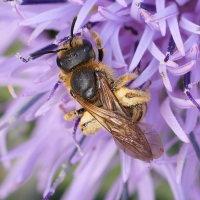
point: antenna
(72, 30)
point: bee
(106, 101)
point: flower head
(160, 40)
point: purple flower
(160, 38)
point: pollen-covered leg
(131, 97)
(69, 116)
(124, 79)
(98, 43)
(89, 125)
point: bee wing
(128, 135)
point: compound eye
(87, 46)
(59, 63)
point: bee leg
(124, 79)
(132, 97)
(98, 42)
(69, 116)
(88, 124)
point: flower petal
(166, 13)
(56, 13)
(180, 70)
(146, 74)
(61, 92)
(180, 162)
(142, 46)
(187, 45)
(172, 122)
(160, 4)
(182, 103)
(153, 49)
(166, 81)
(108, 14)
(174, 29)
(188, 25)
(116, 47)
(126, 166)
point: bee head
(75, 52)
(72, 53)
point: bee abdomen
(137, 112)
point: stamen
(186, 82)
(74, 136)
(195, 144)
(53, 90)
(170, 49)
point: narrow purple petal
(83, 13)
(57, 164)
(154, 50)
(174, 29)
(114, 7)
(160, 4)
(64, 171)
(116, 47)
(135, 14)
(145, 184)
(61, 92)
(107, 31)
(56, 13)
(118, 66)
(180, 70)
(97, 164)
(142, 46)
(104, 12)
(146, 74)
(189, 176)
(169, 173)
(147, 16)
(193, 53)
(182, 103)
(126, 166)
(172, 122)
(180, 162)
(191, 120)
(122, 2)
(41, 27)
(46, 75)
(166, 81)
(77, 2)
(188, 25)
(187, 46)
(166, 13)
